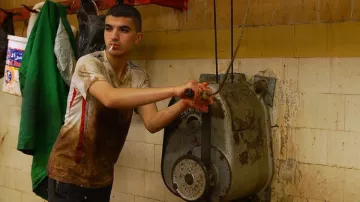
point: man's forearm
(134, 97)
(166, 116)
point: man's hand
(197, 102)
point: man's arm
(128, 98)
(155, 120)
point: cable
(205, 94)
(216, 48)
(232, 39)
(236, 50)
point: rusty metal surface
(241, 155)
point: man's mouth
(114, 45)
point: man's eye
(108, 28)
(124, 30)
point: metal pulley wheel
(190, 178)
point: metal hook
(71, 5)
(30, 9)
(97, 10)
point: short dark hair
(124, 10)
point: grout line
(141, 169)
(22, 192)
(332, 166)
(338, 94)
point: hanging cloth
(44, 91)
(91, 28)
(6, 28)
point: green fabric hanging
(44, 92)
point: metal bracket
(266, 87)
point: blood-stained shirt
(92, 136)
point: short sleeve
(145, 83)
(85, 74)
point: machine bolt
(260, 86)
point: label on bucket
(14, 57)
(11, 77)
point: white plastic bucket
(15, 52)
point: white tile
(142, 199)
(314, 75)
(158, 156)
(30, 197)
(117, 196)
(272, 67)
(345, 75)
(10, 136)
(291, 68)
(138, 133)
(23, 162)
(2, 175)
(321, 111)
(137, 155)
(176, 72)
(327, 183)
(343, 148)
(13, 114)
(170, 197)
(129, 181)
(9, 177)
(9, 195)
(352, 185)
(12, 100)
(22, 181)
(154, 186)
(312, 146)
(352, 113)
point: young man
(104, 91)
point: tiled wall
(316, 147)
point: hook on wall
(30, 9)
(70, 6)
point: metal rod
(216, 48)
(232, 40)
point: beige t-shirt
(92, 136)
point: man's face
(121, 32)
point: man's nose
(115, 35)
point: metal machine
(225, 154)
